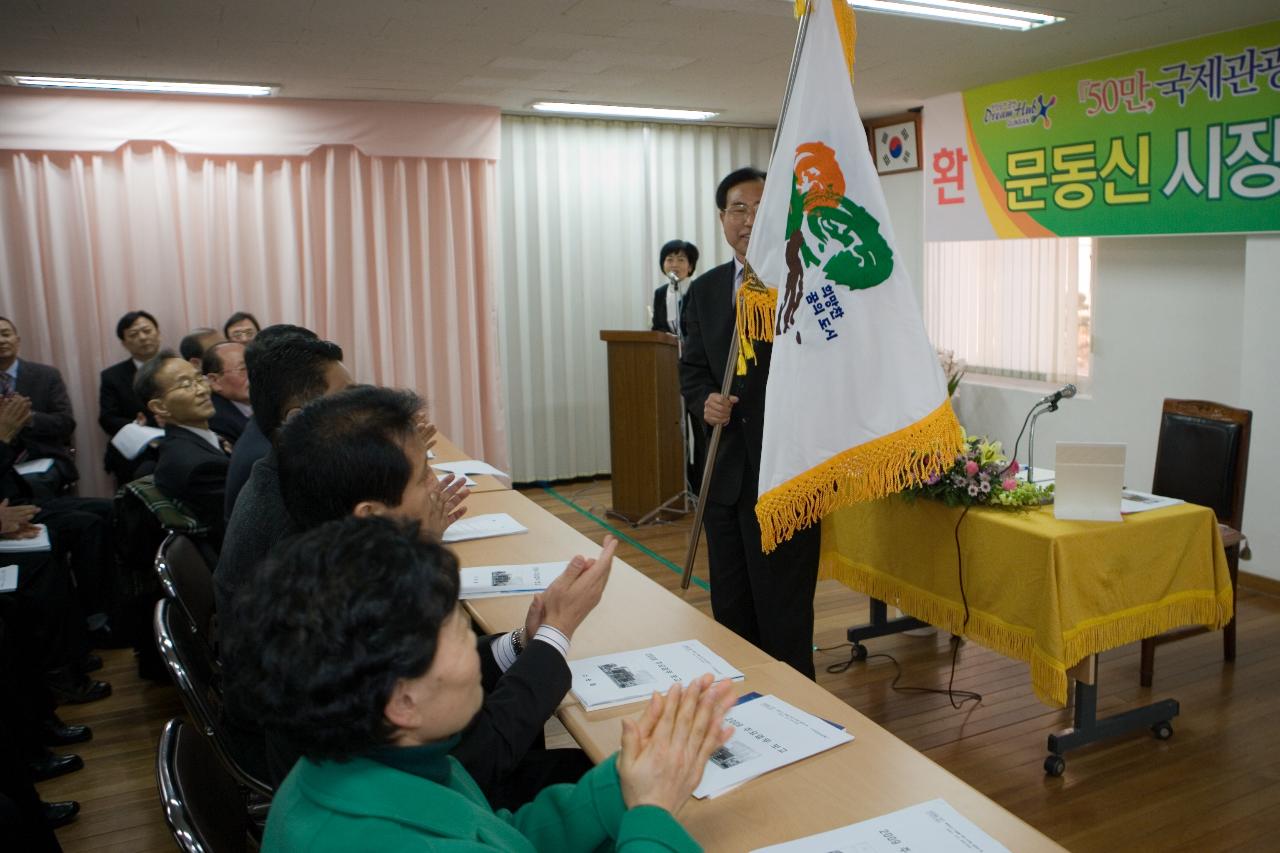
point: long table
(875, 774)
(446, 451)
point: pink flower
(1014, 467)
(971, 467)
(1010, 484)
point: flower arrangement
(981, 476)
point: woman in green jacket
(353, 641)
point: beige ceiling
(730, 56)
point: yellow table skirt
(1041, 590)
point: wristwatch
(517, 641)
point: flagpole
(731, 365)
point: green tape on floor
(624, 537)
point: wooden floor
(1215, 786)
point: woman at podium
(677, 260)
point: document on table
(1132, 501)
(768, 733)
(483, 527)
(133, 438)
(470, 482)
(493, 581)
(8, 578)
(26, 546)
(469, 466)
(933, 826)
(605, 681)
(34, 466)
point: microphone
(674, 279)
(1066, 392)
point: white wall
(1189, 317)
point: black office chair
(186, 578)
(197, 677)
(1202, 457)
(202, 803)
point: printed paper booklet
(632, 676)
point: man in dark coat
(48, 434)
(118, 405)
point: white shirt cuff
(554, 637)
(504, 651)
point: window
(1020, 308)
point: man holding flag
(857, 408)
(765, 598)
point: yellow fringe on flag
(1048, 675)
(880, 467)
(756, 311)
(845, 23)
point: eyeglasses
(233, 371)
(741, 211)
(243, 334)
(187, 383)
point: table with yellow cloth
(1044, 591)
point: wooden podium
(645, 419)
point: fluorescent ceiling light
(977, 14)
(622, 112)
(154, 86)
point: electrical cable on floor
(951, 693)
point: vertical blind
(1010, 307)
(585, 207)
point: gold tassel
(756, 311)
(880, 467)
(848, 27)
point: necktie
(6, 385)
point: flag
(856, 406)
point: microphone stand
(1031, 437)
(683, 502)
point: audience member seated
(196, 342)
(118, 405)
(47, 435)
(298, 373)
(223, 366)
(242, 327)
(291, 366)
(193, 459)
(363, 452)
(380, 685)
(79, 528)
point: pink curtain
(388, 256)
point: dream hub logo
(1018, 112)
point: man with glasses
(193, 462)
(241, 326)
(223, 367)
(765, 598)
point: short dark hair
(132, 317)
(286, 367)
(731, 180)
(326, 628)
(346, 448)
(12, 324)
(144, 381)
(190, 347)
(238, 317)
(672, 247)
(212, 361)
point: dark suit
(661, 322)
(251, 446)
(766, 599)
(227, 421)
(193, 471)
(52, 423)
(257, 523)
(119, 405)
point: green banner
(1183, 138)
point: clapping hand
(444, 503)
(665, 750)
(574, 594)
(15, 521)
(15, 414)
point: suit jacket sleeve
(55, 420)
(660, 310)
(520, 702)
(113, 411)
(697, 381)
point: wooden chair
(202, 805)
(1202, 457)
